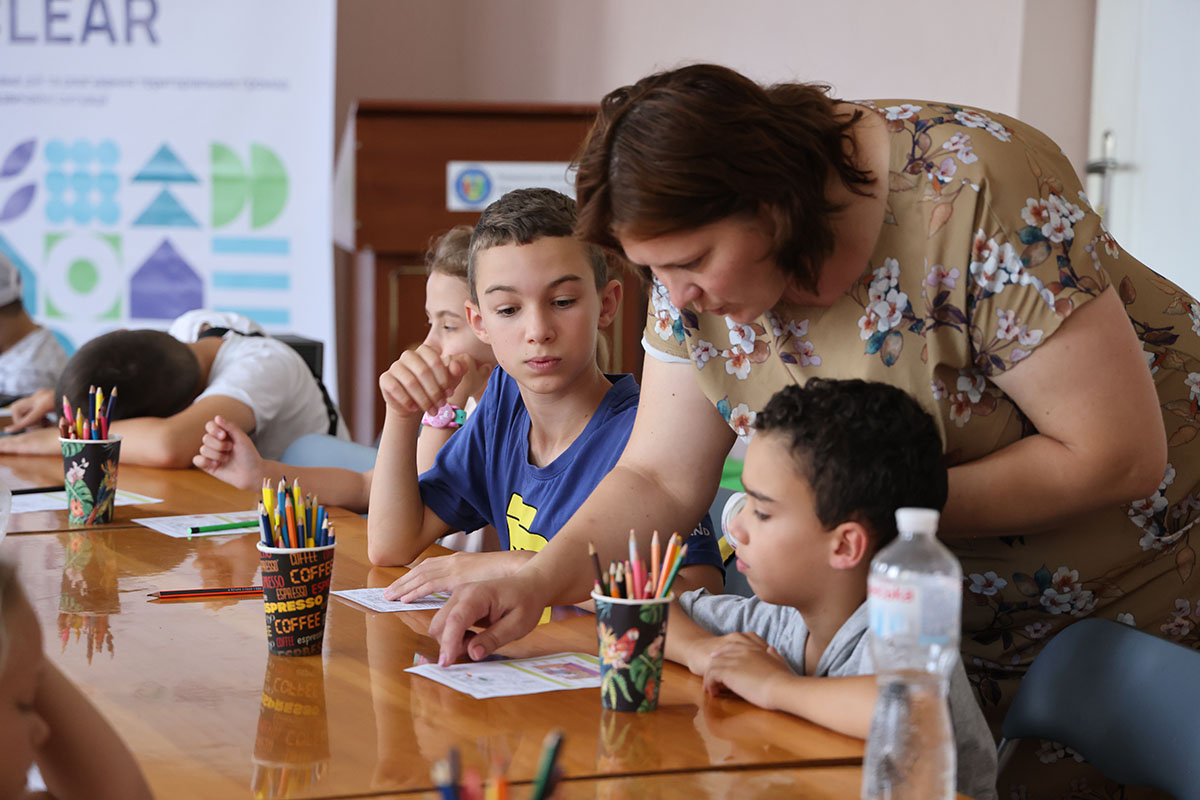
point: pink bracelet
(447, 416)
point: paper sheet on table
(373, 599)
(57, 501)
(177, 527)
(517, 676)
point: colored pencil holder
(90, 478)
(631, 635)
(295, 596)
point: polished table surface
(184, 683)
(186, 491)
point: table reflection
(291, 746)
(88, 593)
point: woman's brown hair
(692, 146)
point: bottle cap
(917, 520)
(732, 506)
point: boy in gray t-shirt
(827, 468)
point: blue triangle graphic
(165, 167)
(165, 210)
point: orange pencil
(672, 546)
(289, 510)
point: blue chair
(322, 450)
(1127, 701)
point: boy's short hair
(523, 216)
(158, 375)
(447, 253)
(865, 448)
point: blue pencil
(264, 523)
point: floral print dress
(988, 244)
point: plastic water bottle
(914, 596)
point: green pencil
(541, 781)
(225, 526)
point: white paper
(57, 501)
(517, 676)
(177, 527)
(374, 600)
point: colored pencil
(289, 510)
(224, 526)
(224, 591)
(542, 778)
(654, 563)
(596, 565)
(58, 487)
(112, 402)
(67, 415)
(666, 587)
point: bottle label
(930, 609)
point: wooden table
(186, 491)
(184, 683)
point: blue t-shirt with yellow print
(482, 475)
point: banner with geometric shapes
(162, 155)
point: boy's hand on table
(447, 573)
(746, 666)
(421, 380)
(227, 454)
(700, 650)
(31, 410)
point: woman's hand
(447, 573)
(31, 410)
(664, 480)
(227, 454)
(745, 665)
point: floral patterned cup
(631, 635)
(90, 470)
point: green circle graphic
(82, 275)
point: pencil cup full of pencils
(632, 600)
(90, 478)
(90, 456)
(295, 551)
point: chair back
(320, 450)
(1127, 701)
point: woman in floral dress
(939, 248)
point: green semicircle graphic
(268, 186)
(229, 185)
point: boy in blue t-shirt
(548, 428)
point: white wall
(1028, 58)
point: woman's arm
(1100, 437)
(665, 480)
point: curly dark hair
(159, 375)
(698, 144)
(866, 448)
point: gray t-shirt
(783, 628)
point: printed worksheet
(517, 676)
(178, 527)
(57, 501)
(373, 599)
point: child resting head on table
(549, 427)
(226, 452)
(45, 719)
(827, 468)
